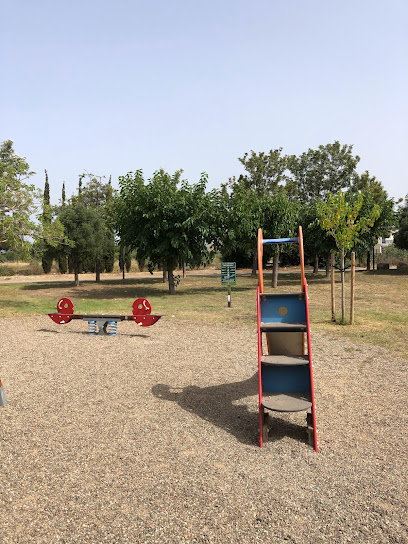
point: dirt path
(151, 436)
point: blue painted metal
(280, 240)
(283, 379)
(3, 401)
(296, 311)
(111, 328)
(92, 327)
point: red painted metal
(141, 310)
(61, 319)
(65, 306)
(309, 350)
(141, 306)
(258, 312)
(65, 309)
(146, 320)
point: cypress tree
(62, 258)
(47, 257)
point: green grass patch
(381, 318)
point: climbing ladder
(285, 373)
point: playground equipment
(106, 324)
(3, 401)
(285, 373)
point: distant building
(383, 243)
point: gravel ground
(151, 437)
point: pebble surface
(151, 437)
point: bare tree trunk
(373, 261)
(342, 285)
(328, 261)
(316, 264)
(76, 276)
(333, 299)
(275, 268)
(184, 269)
(165, 275)
(254, 263)
(123, 262)
(368, 261)
(352, 286)
(171, 282)
(97, 270)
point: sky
(109, 87)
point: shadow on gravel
(87, 333)
(217, 405)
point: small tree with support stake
(339, 217)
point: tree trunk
(342, 285)
(171, 282)
(352, 286)
(141, 263)
(98, 270)
(184, 269)
(165, 275)
(328, 266)
(275, 268)
(76, 276)
(254, 263)
(333, 294)
(123, 262)
(316, 264)
(373, 261)
(368, 261)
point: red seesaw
(105, 324)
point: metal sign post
(228, 277)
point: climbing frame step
(299, 295)
(283, 327)
(285, 360)
(280, 402)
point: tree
(279, 221)
(318, 244)
(84, 226)
(19, 202)
(264, 171)
(317, 173)
(246, 211)
(264, 174)
(47, 251)
(339, 217)
(374, 194)
(167, 221)
(98, 195)
(401, 236)
(61, 251)
(314, 175)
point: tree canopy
(319, 172)
(167, 221)
(401, 236)
(19, 201)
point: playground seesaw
(105, 323)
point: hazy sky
(114, 86)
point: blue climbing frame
(285, 371)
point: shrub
(6, 270)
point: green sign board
(228, 273)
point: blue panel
(296, 309)
(284, 379)
(280, 240)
